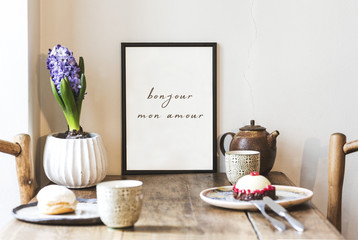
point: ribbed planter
(75, 163)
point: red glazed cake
(253, 187)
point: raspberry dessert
(253, 187)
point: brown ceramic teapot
(254, 137)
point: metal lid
(252, 127)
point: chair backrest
(21, 149)
(338, 149)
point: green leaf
(81, 95)
(71, 108)
(57, 96)
(82, 65)
(59, 100)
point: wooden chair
(21, 149)
(338, 149)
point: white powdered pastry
(55, 199)
(252, 183)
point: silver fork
(276, 223)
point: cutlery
(276, 223)
(281, 211)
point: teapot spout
(271, 138)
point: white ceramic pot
(75, 163)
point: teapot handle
(222, 148)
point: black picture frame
(141, 64)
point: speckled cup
(119, 202)
(240, 163)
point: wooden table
(172, 209)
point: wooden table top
(172, 209)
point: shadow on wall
(40, 175)
(49, 108)
(221, 156)
(310, 161)
(314, 176)
(314, 171)
(218, 155)
(51, 116)
(38, 171)
(350, 195)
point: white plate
(222, 197)
(86, 213)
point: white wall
(34, 83)
(13, 97)
(19, 48)
(290, 65)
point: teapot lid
(252, 127)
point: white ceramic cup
(119, 202)
(240, 163)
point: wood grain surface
(25, 168)
(10, 148)
(338, 149)
(21, 149)
(336, 166)
(172, 209)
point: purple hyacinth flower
(61, 63)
